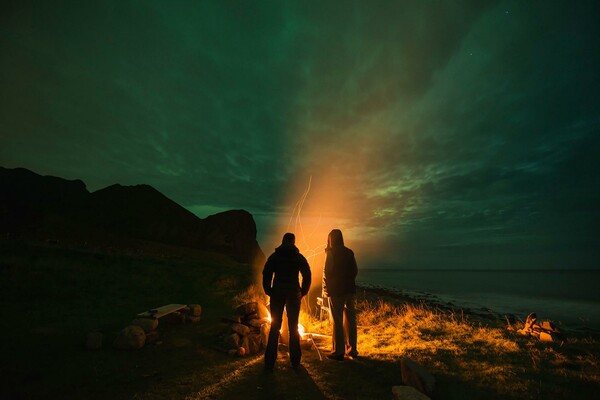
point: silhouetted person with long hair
(339, 286)
(280, 282)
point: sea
(570, 298)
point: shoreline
(433, 302)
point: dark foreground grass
(52, 297)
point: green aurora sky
(443, 134)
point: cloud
(424, 126)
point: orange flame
(301, 329)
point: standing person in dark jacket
(339, 286)
(280, 282)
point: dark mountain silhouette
(46, 207)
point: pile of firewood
(247, 331)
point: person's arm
(267, 273)
(354, 266)
(306, 276)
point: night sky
(437, 134)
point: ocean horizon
(569, 297)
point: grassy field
(52, 297)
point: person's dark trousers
(291, 302)
(343, 309)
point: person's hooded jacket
(280, 274)
(340, 267)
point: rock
(549, 326)
(247, 309)
(192, 319)
(195, 310)
(147, 324)
(232, 341)
(233, 232)
(93, 341)
(530, 321)
(240, 329)
(416, 376)
(407, 393)
(546, 337)
(152, 337)
(130, 338)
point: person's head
(288, 238)
(335, 239)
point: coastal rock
(407, 393)
(416, 376)
(234, 233)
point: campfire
(247, 332)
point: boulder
(130, 338)
(147, 324)
(240, 329)
(407, 393)
(93, 341)
(416, 376)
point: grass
(51, 297)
